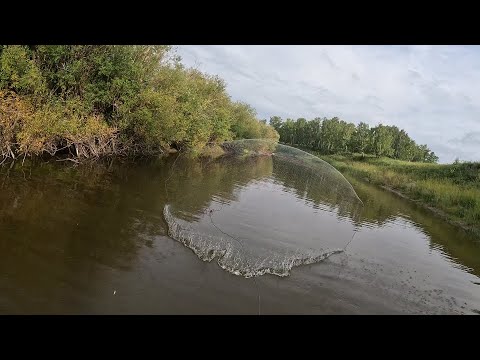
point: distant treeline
(90, 101)
(335, 136)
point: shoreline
(224, 150)
(438, 212)
(348, 167)
(210, 151)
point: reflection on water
(268, 225)
(383, 209)
(70, 236)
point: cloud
(466, 146)
(470, 138)
(430, 91)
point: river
(94, 239)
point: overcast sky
(430, 91)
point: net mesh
(273, 207)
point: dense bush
(98, 100)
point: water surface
(93, 239)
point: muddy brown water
(92, 239)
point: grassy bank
(451, 190)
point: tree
(383, 139)
(300, 131)
(361, 138)
(431, 157)
(289, 131)
(346, 132)
(404, 147)
(329, 134)
(276, 122)
(314, 128)
(332, 136)
(139, 99)
(423, 154)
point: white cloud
(430, 91)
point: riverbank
(90, 102)
(452, 191)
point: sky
(432, 92)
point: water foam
(234, 258)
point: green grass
(451, 189)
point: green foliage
(360, 140)
(19, 72)
(452, 189)
(335, 136)
(382, 141)
(140, 96)
(243, 127)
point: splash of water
(235, 259)
(291, 165)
